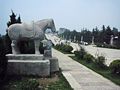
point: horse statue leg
(15, 49)
(37, 44)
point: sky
(71, 14)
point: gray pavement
(80, 77)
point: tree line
(101, 36)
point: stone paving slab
(80, 77)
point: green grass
(62, 84)
(55, 82)
(105, 72)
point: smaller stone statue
(47, 44)
(93, 40)
(111, 40)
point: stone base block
(29, 67)
(47, 53)
(24, 57)
(54, 66)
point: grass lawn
(104, 72)
(55, 82)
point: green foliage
(30, 84)
(115, 67)
(61, 84)
(56, 82)
(80, 54)
(107, 46)
(7, 44)
(16, 83)
(99, 45)
(100, 61)
(13, 19)
(88, 58)
(67, 48)
(3, 61)
(64, 48)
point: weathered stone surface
(54, 65)
(31, 64)
(47, 44)
(29, 67)
(47, 53)
(24, 57)
(35, 31)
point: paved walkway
(80, 77)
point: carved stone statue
(47, 44)
(111, 40)
(35, 31)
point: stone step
(25, 57)
(29, 67)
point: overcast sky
(71, 14)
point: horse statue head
(46, 24)
(51, 25)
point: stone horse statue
(35, 31)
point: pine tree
(108, 34)
(18, 20)
(12, 19)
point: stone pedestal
(47, 53)
(54, 66)
(29, 67)
(31, 64)
(25, 57)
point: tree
(18, 20)
(115, 31)
(95, 33)
(108, 35)
(102, 35)
(3, 61)
(12, 19)
(7, 41)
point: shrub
(68, 48)
(64, 48)
(99, 45)
(115, 67)
(80, 54)
(100, 61)
(88, 58)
